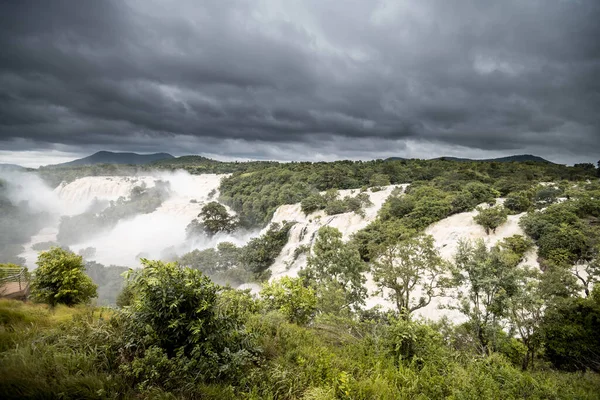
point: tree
(292, 298)
(312, 203)
(215, 219)
(570, 328)
(411, 268)
(526, 312)
(60, 279)
(588, 272)
(175, 312)
(486, 280)
(260, 252)
(378, 180)
(491, 218)
(335, 263)
(517, 202)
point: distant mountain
(108, 157)
(517, 158)
(185, 160)
(395, 159)
(11, 167)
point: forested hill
(108, 157)
(11, 167)
(515, 158)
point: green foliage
(546, 195)
(332, 204)
(335, 207)
(60, 279)
(491, 218)
(570, 329)
(211, 261)
(312, 203)
(336, 265)
(518, 202)
(255, 190)
(174, 326)
(260, 252)
(517, 244)
(290, 296)
(473, 194)
(378, 180)
(486, 281)
(567, 237)
(215, 219)
(396, 207)
(405, 267)
(412, 341)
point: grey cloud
(358, 79)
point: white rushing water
(446, 233)
(162, 232)
(145, 235)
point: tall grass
(73, 353)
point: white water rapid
(147, 235)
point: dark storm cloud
(257, 78)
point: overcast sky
(300, 79)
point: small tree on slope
(60, 279)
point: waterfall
(143, 234)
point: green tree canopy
(60, 279)
(486, 279)
(215, 219)
(491, 218)
(290, 296)
(175, 310)
(336, 263)
(413, 272)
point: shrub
(491, 218)
(312, 203)
(336, 207)
(517, 202)
(174, 328)
(60, 279)
(290, 296)
(258, 255)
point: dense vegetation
(236, 265)
(525, 333)
(255, 195)
(181, 336)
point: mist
(159, 234)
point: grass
(66, 353)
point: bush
(336, 207)
(571, 332)
(312, 203)
(60, 279)
(517, 202)
(290, 296)
(491, 218)
(258, 255)
(174, 328)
